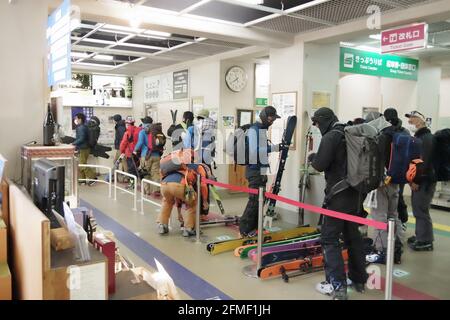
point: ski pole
(260, 227)
(390, 259)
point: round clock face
(236, 79)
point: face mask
(412, 128)
(76, 122)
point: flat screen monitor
(48, 189)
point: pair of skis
(229, 245)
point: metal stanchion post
(110, 177)
(135, 194)
(390, 258)
(260, 227)
(115, 185)
(252, 270)
(197, 213)
(142, 196)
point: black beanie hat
(390, 114)
(117, 117)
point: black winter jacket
(120, 131)
(331, 157)
(427, 138)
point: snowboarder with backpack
(201, 137)
(422, 180)
(119, 130)
(83, 146)
(129, 141)
(150, 143)
(331, 158)
(257, 166)
(394, 138)
(179, 185)
(179, 131)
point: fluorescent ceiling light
(103, 57)
(347, 44)
(79, 54)
(430, 46)
(251, 1)
(158, 33)
(375, 36)
(121, 28)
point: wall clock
(236, 78)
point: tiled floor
(426, 273)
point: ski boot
(421, 246)
(398, 250)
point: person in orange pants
(180, 186)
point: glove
(311, 157)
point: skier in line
(257, 169)
(332, 159)
(178, 132)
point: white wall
(23, 81)
(444, 104)
(399, 94)
(428, 91)
(286, 74)
(355, 92)
(231, 101)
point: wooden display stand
(40, 273)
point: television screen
(48, 189)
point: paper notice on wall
(197, 104)
(152, 88)
(87, 282)
(321, 100)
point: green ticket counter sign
(375, 64)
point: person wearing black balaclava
(331, 158)
(256, 170)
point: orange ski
(306, 265)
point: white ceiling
(209, 27)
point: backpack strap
(337, 188)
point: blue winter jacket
(144, 145)
(81, 137)
(258, 151)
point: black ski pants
(249, 220)
(332, 230)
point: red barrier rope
(326, 212)
(330, 213)
(229, 186)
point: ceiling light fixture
(79, 54)
(375, 36)
(158, 33)
(252, 1)
(347, 44)
(103, 57)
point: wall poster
(286, 105)
(181, 84)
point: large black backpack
(237, 145)
(93, 131)
(441, 158)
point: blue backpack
(404, 149)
